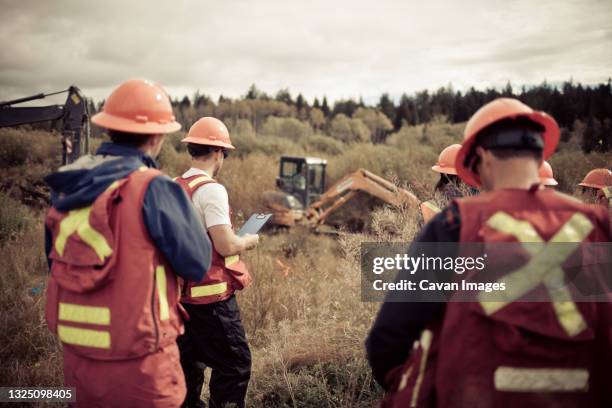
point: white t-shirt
(211, 201)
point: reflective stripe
(607, 192)
(113, 185)
(521, 230)
(541, 379)
(209, 290)
(198, 180)
(432, 206)
(230, 260)
(160, 279)
(544, 267)
(84, 337)
(70, 312)
(78, 221)
(426, 338)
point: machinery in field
(303, 199)
(74, 115)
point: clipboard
(254, 224)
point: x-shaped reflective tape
(544, 266)
(77, 221)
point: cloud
(341, 48)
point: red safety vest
(111, 295)
(226, 274)
(518, 353)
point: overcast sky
(337, 48)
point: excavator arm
(74, 115)
(347, 187)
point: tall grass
(303, 315)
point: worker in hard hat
(599, 182)
(449, 185)
(505, 352)
(118, 233)
(545, 172)
(214, 334)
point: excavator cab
(302, 177)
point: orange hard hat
(446, 160)
(209, 131)
(138, 106)
(598, 178)
(492, 112)
(546, 174)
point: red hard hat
(446, 160)
(138, 106)
(598, 178)
(499, 109)
(546, 174)
(209, 131)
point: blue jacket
(169, 216)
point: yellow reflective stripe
(432, 206)
(160, 279)
(575, 230)
(113, 185)
(84, 337)
(568, 314)
(78, 221)
(230, 260)
(517, 379)
(198, 180)
(209, 290)
(521, 230)
(607, 192)
(84, 314)
(543, 267)
(426, 339)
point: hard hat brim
(443, 170)
(549, 181)
(591, 185)
(113, 122)
(199, 141)
(551, 140)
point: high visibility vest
(517, 353)
(111, 295)
(429, 209)
(226, 274)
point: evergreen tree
(325, 107)
(386, 106)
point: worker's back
(517, 353)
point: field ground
(303, 314)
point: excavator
(74, 115)
(302, 198)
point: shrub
(289, 128)
(570, 167)
(171, 162)
(18, 147)
(323, 144)
(348, 130)
(14, 218)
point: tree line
(573, 105)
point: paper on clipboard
(254, 224)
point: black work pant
(214, 336)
